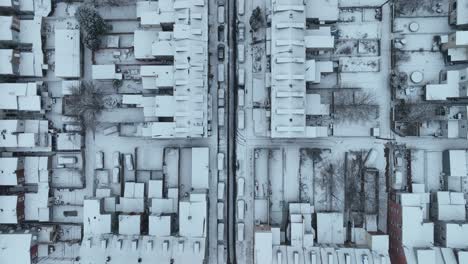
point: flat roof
(8, 214)
(129, 224)
(8, 173)
(193, 220)
(16, 247)
(67, 53)
(330, 229)
(200, 168)
(442, 91)
(94, 222)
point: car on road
(241, 31)
(129, 162)
(99, 160)
(221, 52)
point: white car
(116, 158)
(99, 160)
(116, 175)
(129, 161)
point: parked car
(241, 7)
(221, 52)
(240, 209)
(241, 31)
(241, 53)
(240, 187)
(72, 128)
(129, 162)
(66, 160)
(221, 14)
(116, 158)
(116, 175)
(99, 160)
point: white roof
(155, 189)
(30, 32)
(425, 256)
(7, 66)
(462, 12)
(67, 53)
(456, 235)
(69, 141)
(415, 232)
(159, 225)
(457, 163)
(129, 224)
(288, 70)
(157, 76)
(7, 23)
(143, 42)
(320, 38)
(451, 206)
(8, 214)
(134, 190)
(36, 204)
(8, 172)
(200, 168)
(193, 219)
(330, 228)
(449, 88)
(263, 251)
(93, 221)
(162, 206)
(125, 249)
(323, 10)
(131, 205)
(20, 96)
(105, 72)
(16, 247)
(36, 169)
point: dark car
(221, 52)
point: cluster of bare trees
(415, 112)
(85, 102)
(354, 106)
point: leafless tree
(86, 102)
(332, 181)
(355, 106)
(417, 112)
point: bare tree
(86, 102)
(418, 112)
(332, 181)
(355, 106)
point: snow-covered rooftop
(9, 213)
(67, 53)
(17, 247)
